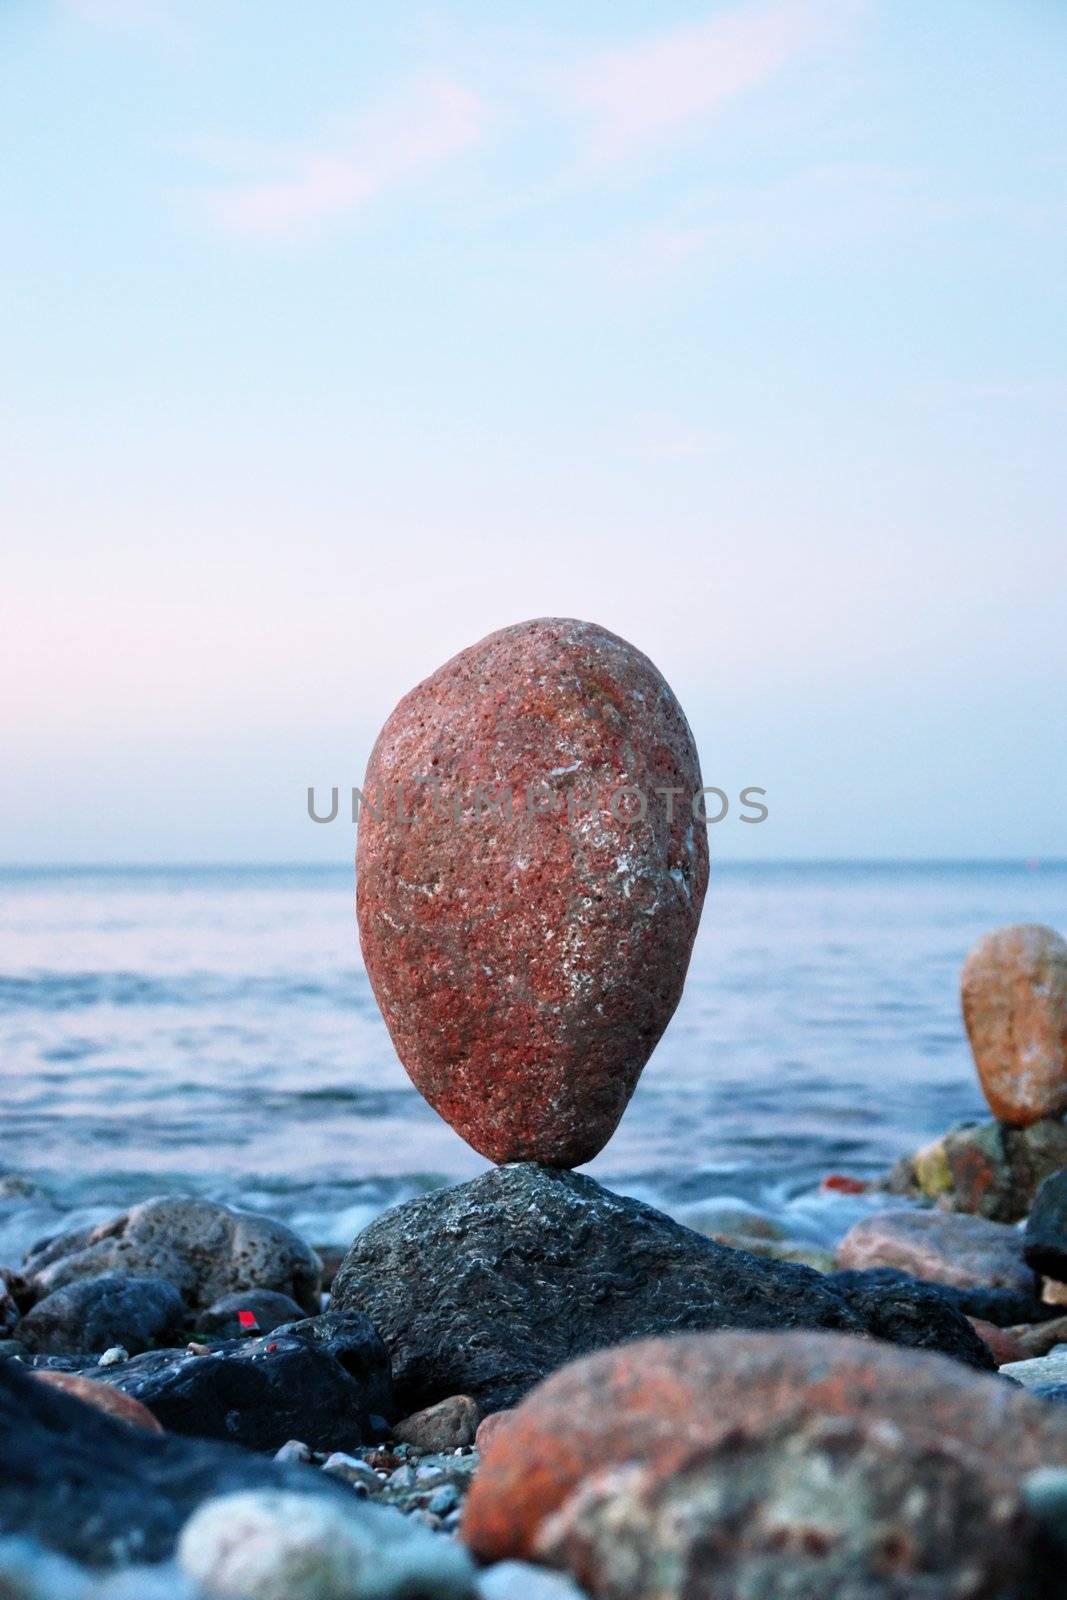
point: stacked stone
(1014, 998)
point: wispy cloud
(645, 94)
(403, 139)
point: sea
(211, 1031)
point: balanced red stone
(530, 876)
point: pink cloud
(399, 141)
(646, 93)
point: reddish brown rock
(445, 1426)
(941, 1247)
(1014, 989)
(1001, 1341)
(103, 1397)
(526, 966)
(491, 1425)
(729, 1464)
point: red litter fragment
(271, 1348)
(247, 1319)
(841, 1183)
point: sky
(335, 337)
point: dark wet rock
(485, 1288)
(985, 1168)
(103, 1493)
(9, 1311)
(1045, 1234)
(324, 1380)
(97, 1313)
(266, 1308)
(1004, 1308)
(205, 1250)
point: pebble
(448, 1425)
(282, 1546)
(113, 1356)
(293, 1450)
(1040, 1372)
(518, 1580)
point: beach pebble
(1045, 1235)
(812, 1464)
(448, 1425)
(527, 966)
(246, 1312)
(1042, 1372)
(944, 1247)
(103, 1396)
(351, 1470)
(518, 1580)
(294, 1451)
(97, 1313)
(484, 1288)
(1014, 989)
(204, 1249)
(276, 1546)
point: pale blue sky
(336, 336)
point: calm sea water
(213, 1030)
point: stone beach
(527, 1386)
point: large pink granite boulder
(527, 964)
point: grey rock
(96, 1313)
(485, 1288)
(269, 1308)
(518, 1580)
(1042, 1372)
(1045, 1235)
(283, 1547)
(205, 1250)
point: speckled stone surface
(526, 966)
(1014, 992)
(772, 1450)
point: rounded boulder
(1014, 992)
(530, 876)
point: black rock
(104, 1493)
(485, 1288)
(1045, 1234)
(268, 1308)
(324, 1380)
(96, 1313)
(1004, 1308)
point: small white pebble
(113, 1356)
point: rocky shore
(526, 1386)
